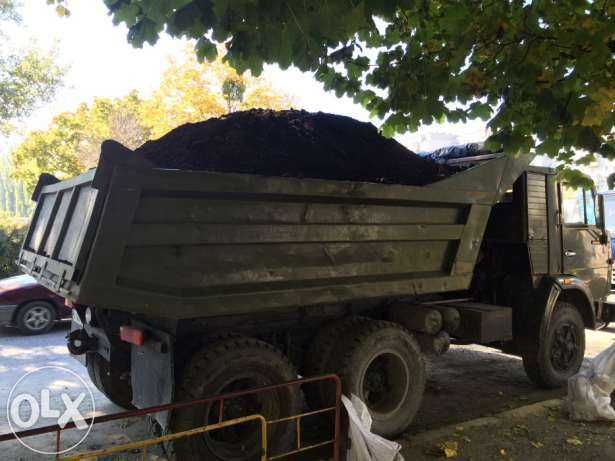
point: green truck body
(186, 244)
(188, 284)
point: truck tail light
(131, 335)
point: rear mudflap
(152, 371)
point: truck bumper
(6, 314)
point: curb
(516, 413)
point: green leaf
(206, 50)
(62, 11)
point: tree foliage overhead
(28, 77)
(540, 71)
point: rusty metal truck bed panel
(184, 244)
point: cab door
(585, 251)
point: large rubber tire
(381, 363)
(318, 360)
(109, 381)
(226, 366)
(559, 354)
(35, 318)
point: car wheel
(35, 318)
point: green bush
(12, 233)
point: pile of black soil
(291, 143)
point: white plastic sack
(589, 391)
(365, 446)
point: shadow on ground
(472, 381)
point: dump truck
(188, 284)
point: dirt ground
(468, 382)
(474, 381)
(540, 431)
(490, 389)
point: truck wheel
(381, 363)
(35, 318)
(558, 355)
(318, 360)
(227, 366)
(109, 381)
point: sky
(102, 64)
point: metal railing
(334, 442)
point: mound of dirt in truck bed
(291, 143)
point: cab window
(579, 207)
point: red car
(29, 306)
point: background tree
(191, 91)
(27, 77)
(14, 201)
(12, 232)
(71, 145)
(541, 72)
(233, 90)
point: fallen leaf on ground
(537, 444)
(502, 452)
(450, 449)
(574, 440)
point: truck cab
(546, 248)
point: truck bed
(185, 244)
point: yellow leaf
(450, 449)
(537, 444)
(574, 440)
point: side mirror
(600, 219)
(605, 237)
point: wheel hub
(37, 318)
(565, 347)
(386, 383)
